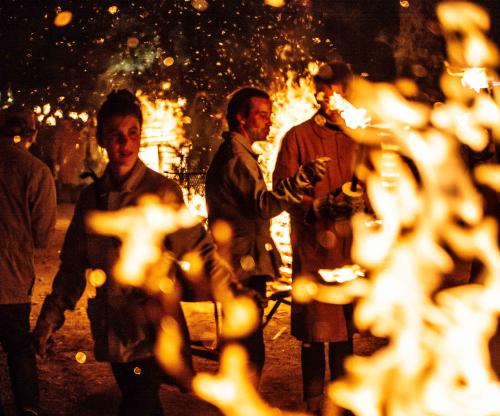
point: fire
(231, 390)
(437, 358)
(354, 117)
(164, 144)
(143, 263)
(293, 103)
(142, 230)
(475, 78)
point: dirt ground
(70, 388)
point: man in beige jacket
(28, 216)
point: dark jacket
(117, 313)
(28, 216)
(236, 193)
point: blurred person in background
(28, 207)
(68, 155)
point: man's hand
(311, 173)
(326, 208)
(42, 339)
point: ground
(70, 388)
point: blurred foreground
(68, 387)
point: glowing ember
(275, 3)
(168, 61)
(80, 357)
(63, 18)
(96, 277)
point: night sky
(216, 45)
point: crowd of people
(315, 159)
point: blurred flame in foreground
(354, 117)
(436, 362)
(143, 262)
(141, 229)
(231, 390)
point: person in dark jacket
(28, 217)
(122, 334)
(237, 197)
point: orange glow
(142, 230)
(354, 117)
(80, 357)
(163, 142)
(63, 18)
(231, 389)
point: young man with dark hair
(118, 314)
(316, 240)
(28, 207)
(237, 196)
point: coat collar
(130, 183)
(319, 126)
(242, 140)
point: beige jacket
(237, 194)
(117, 314)
(27, 218)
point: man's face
(121, 137)
(258, 122)
(323, 94)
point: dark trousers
(16, 341)
(254, 343)
(139, 382)
(313, 365)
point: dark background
(229, 44)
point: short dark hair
(337, 73)
(118, 103)
(17, 120)
(239, 103)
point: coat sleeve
(43, 205)
(287, 163)
(247, 180)
(209, 276)
(69, 282)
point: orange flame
(437, 358)
(164, 146)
